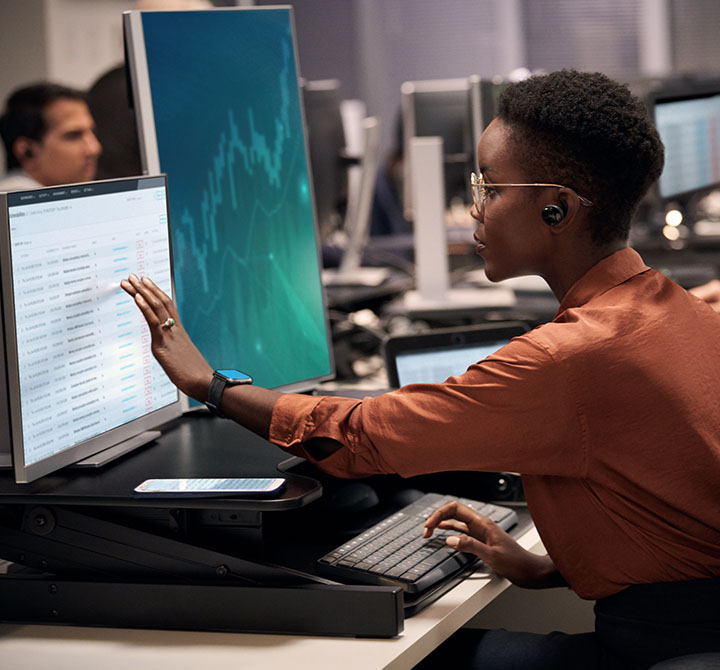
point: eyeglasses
(481, 190)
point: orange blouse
(611, 412)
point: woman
(609, 411)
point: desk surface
(70, 648)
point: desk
(195, 563)
(199, 446)
(72, 648)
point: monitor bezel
(25, 472)
(150, 155)
(679, 93)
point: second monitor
(220, 112)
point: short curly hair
(588, 132)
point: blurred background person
(49, 137)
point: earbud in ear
(554, 214)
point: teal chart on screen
(230, 137)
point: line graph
(255, 154)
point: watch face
(234, 375)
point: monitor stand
(361, 187)
(112, 453)
(433, 292)
(459, 299)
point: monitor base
(362, 276)
(101, 458)
(108, 455)
(460, 298)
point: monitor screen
(689, 127)
(80, 376)
(219, 111)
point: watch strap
(214, 396)
(217, 387)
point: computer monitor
(484, 95)
(689, 125)
(219, 111)
(440, 108)
(458, 110)
(326, 143)
(437, 173)
(78, 379)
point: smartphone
(219, 487)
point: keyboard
(394, 553)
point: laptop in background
(433, 356)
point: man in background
(49, 137)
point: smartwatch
(221, 379)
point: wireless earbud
(554, 214)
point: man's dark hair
(24, 114)
(588, 132)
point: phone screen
(212, 486)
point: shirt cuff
(292, 419)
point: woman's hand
(171, 345)
(710, 293)
(498, 550)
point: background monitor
(79, 375)
(689, 126)
(326, 143)
(440, 108)
(484, 95)
(219, 111)
(457, 110)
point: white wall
(84, 39)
